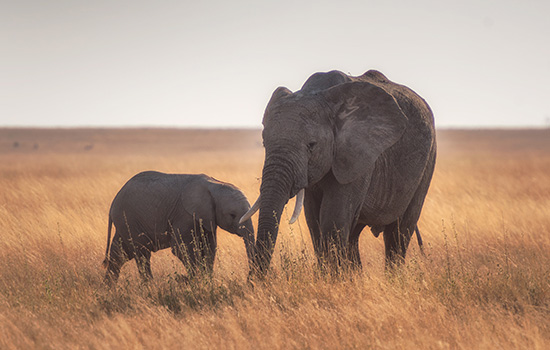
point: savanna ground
(484, 283)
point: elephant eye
(311, 145)
(233, 216)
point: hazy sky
(215, 63)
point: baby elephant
(155, 211)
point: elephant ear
(199, 204)
(369, 121)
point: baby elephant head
(231, 204)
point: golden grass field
(484, 284)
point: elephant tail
(419, 238)
(106, 261)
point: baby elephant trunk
(246, 231)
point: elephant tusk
(251, 211)
(298, 206)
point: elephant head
(231, 204)
(334, 124)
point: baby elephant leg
(182, 249)
(196, 251)
(143, 261)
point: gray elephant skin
(154, 211)
(357, 151)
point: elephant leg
(118, 256)
(398, 234)
(396, 241)
(339, 210)
(185, 254)
(312, 206)
(204, 246)
(182, 248)
(353, 246)
(335, 232)
(143, 261)
(212, 247)
(195, 247)
(210, 258)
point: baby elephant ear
(369, 121)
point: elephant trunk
(275, 191)
(246, 231)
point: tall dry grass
(484, 284)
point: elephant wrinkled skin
(362, 148)
(154, 211)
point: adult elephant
(356, 151)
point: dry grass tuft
(484, 284)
